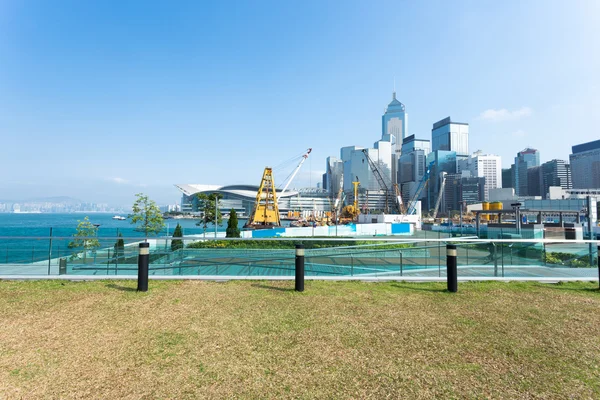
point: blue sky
(101, 100)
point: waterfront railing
(326, 258)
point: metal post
(117, 254)
(461, 218)
(351, 265)
(216, 213)
(495, 260)
(440, 253)
(50, 251)
(299, 287)
(451, 271)
(143, 261)
(401, 262)
(502, 257)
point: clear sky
(100, 100)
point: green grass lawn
(244, 339)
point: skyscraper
(450, 136)
(443, 161)
(585, 165)
(394, 125)
(525, 159)
(411, 165)
(394, 122)
(486, 166)
(461, 188)
(507, 178)
(555, 173)
(333, 175)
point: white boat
(119, 218)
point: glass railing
(363, 258)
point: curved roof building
(242, 198)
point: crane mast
(304, 157)
(439, 199)
(413, 202)
(338, 200)
(381, 182)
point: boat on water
(118, 217)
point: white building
(488, 166)
(356, 165)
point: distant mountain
(55, 199)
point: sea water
(26, 237)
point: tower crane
(412, 205)
(439, 198)
(382, 185)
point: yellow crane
(266, 212)
(356, 183)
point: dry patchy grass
(242, 339)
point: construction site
(273, 208)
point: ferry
(118, 217)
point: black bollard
(451, 272)
(299, 268)
(143, 261)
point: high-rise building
(411, 165)
(356, 165)
(394, 122)
(441, 161)
(394, 127)
(450, 136)
(507, 178)
(585, 165)
(555, 173)
(525, 159)
(333, 175)
(480, 165)
(534, 181)
(462, 188)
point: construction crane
(356, 184)
(265, 213)
(382, 185)
(304, 157)
(439, 199)
(399, 199)
(412, 205)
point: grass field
(243, 339)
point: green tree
(177, 244)
(120, 246)
(146, 215)
(85, 238)
(206, 203)
(232, 225)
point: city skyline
(102, 101)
